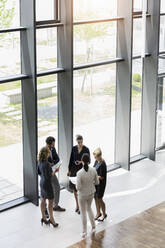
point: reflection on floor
(127, 194)
(8, 191)
(145, 230)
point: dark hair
(79, 137)
(50, 140)
(86, 160)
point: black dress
(101, 169)
(73, 168)
(75, 155)
(45, 171)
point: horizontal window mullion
(13, 78)
(139, 56)
(54, 25)
(10, 30)
(99, 63)
(161, 52)
(47, 22)
(140, 16)
(50, 72)
(98, 21)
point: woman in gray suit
(86, 180)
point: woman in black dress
(75, 164)
(101, 169)
(45, 172)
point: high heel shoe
(98, 216)
(44, 221)
(54, 225)
(101, 220)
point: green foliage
(90, 31)
(6, 15)
(137, 77)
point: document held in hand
(56, 166)
(73, 180)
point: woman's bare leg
(42, 206)
(97, 207)
(103, 207)
(50, 207)
(76, 198)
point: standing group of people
(90, 182)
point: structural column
(150, 81)
(123, 88)
(65, 86)
(29, 100)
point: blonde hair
(44, 154)
(97, 152)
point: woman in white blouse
(87, 178)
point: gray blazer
(86, 181)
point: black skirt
(46, 190)
(100, 189)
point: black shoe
(98, 217)
(46, 213)
(101, 220)
(59, 209)
(76, 210)
(46, 222)
(54, 225)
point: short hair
(79, 137)
(97, 152)
(50, 140)
(43, 154)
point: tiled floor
(127, 194)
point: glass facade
(136, 107)
(94, 9)
(10, 48)
(94, 108)
(78, 69)
(46, 49)
(47, 108)
(11, 166)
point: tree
(6, 14)
(88, 32)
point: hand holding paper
(56, 166)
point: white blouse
(86, 181)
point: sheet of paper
(56, 166)
(73, 180)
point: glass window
(10, 52)
(136, 107)
(47, 108)
(160, 139)
(162, 34)
(45, 10)
(93, 42)
(162, 9)
(11, 166)
(94, 9)
(9, 13)
(94, 108)
(161, 65)
(46, 49)
(138, 5)
(137, 37)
